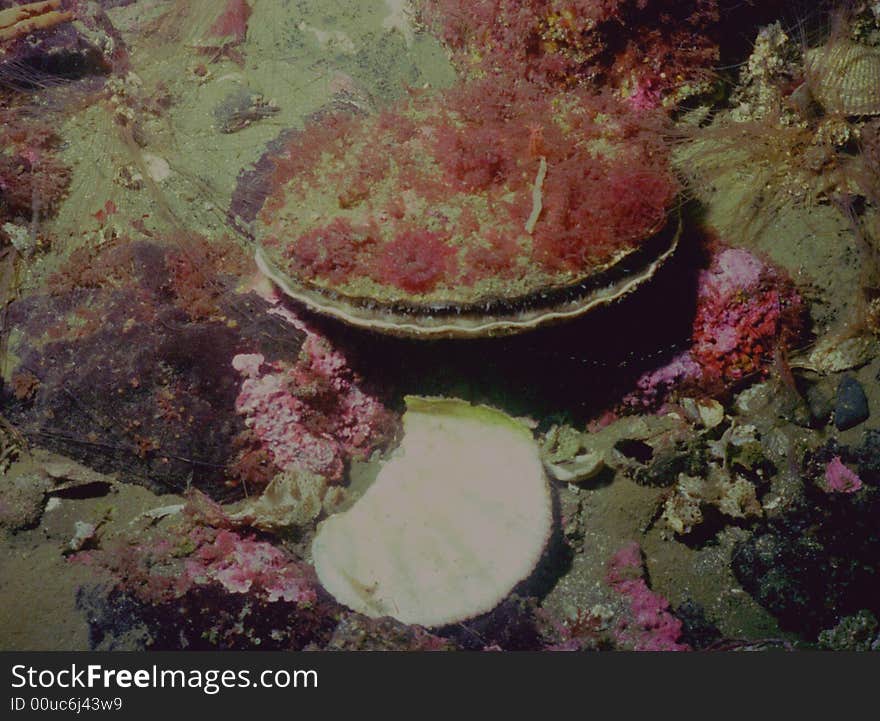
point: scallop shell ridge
(844, 77)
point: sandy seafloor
(302, 57)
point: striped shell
(498, 318)
(844, 77)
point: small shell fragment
(709, 413)
(832, 355)
(567, 458)
(579, 469)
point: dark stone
(818, 561)
(851, 406)
(697, 631)
(867, 456)
(130, 383)
(821, 402)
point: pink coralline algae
(840, 479)
(243, 565)
(312, 413)
(157, 570)
(257, 593)
(746, 310)
(647, 624)
(653, 386)
(233, 21)
(658, 46)
(646, 95)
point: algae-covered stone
(455, 519)
(22, 498)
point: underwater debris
(566, 456)
(653, 450)
(834, 354)
(733, 496)
(85, 536)
(457, 517)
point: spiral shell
(844, 77)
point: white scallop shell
(455, 519)
(844, 77)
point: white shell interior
(455, 519)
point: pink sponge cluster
(746, 310)
(243, 565)
(643, 48)
(840, 479)
(313, 413)
(647, 625)
(185, 558)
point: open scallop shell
(458, 517)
